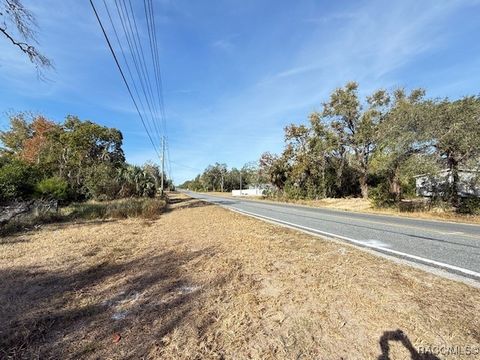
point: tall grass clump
(146, 208)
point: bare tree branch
(22, 18)
(35, 57)
(13, 11)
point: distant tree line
(72, 160)
(373, 148)
(218, 177)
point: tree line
(72, 160)
(218, 177)
(374, 147)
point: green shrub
(52, 188)
(102, 182)
(381, 197)
(469, 205)
(293, 192)
(409, 188)
(17, 181)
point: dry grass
(202, 282)
(365, 205)
(146, 208)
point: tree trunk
(364, 186)
(395, 187)
(324, 186)
(453, 181)
(339, 174)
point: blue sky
(236, 72)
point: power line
(121, 73)
(185, 166)
(157, 65)
(153, 115)
(144, 63)
(124, 57)
(151, 26)
(122, 12)
(152, 35)
(153, 53)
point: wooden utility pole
(163, 163)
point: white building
(468, 185)
(257, 190)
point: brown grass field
(365, 205)
(201, 282)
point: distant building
(430, 185)
(253, 190)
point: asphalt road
(453, 247)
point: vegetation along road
(451, 246)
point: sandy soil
(205, 283)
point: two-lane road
(450, 246)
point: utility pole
(163, 161)
(240, 182)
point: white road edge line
(272, 202)
(312, 231)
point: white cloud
(295, 71)
(330, 18)
(223, 44)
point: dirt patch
(203, 282)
